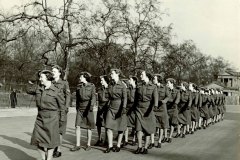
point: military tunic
(85, 101)
(194, 107)
(46, 129)
(146, 99)
(184, 116)
(130, 108)
(65, 91)
(102, 106)
(174, 98)
(116, 118)
(161, 110)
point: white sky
(212, 24)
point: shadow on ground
(18, 141)
(14, 153)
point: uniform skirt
(173, 116)
(130, 116)
(161, 116)
(101, 116)
(215, 110)
(115, 120)
(63, 124)
(194, 114)
(46, 130)
(144, 123)
(85, 120)
(204, 113)
(210, 110)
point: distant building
(230, 81)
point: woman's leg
(78, 136)
(50, 154)
(89, 134)
(120, 136)
(42, 152)
(110, 138)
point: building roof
(217, 84)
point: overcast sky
(212, 24)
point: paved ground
(220, 141)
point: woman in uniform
(63, 86)
(102, 107)
(174, 98)
(130, 109)
(116, 118)
(85, 101)
(146, 99)
(161, 115)
(204, 113)
(49, 103)
(194, 109)
(184, 116)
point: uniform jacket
(63, 86)
(174, 98)
(85, 96)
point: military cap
(86, 74)
(172, 80)
(48, 74)
(184, 83)
(133, 77)
(158, 75)
(116, 70)
(58, 67)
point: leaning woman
(46, 129)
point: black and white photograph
(120, 80)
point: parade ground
(220, 141)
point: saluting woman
(46, 129)
(85, 101)
(103, 98)
(146, 99)
(116, 118)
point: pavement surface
(220, 141)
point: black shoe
(124, 143)
(105, 143)
(57, 154)
(76, 148)
(108, 150)
(151, 145)
(144, 151)
(192, 132)
(204, 127)
(98, 143)
(159, 145)
(169, 140)
(177, 135)
(133, 143)
(88, 148)
(187, 133)
(164, 140)
(139, 150)
(116, 149)
(183, 136)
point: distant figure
(13, 98)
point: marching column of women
(135, 110)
